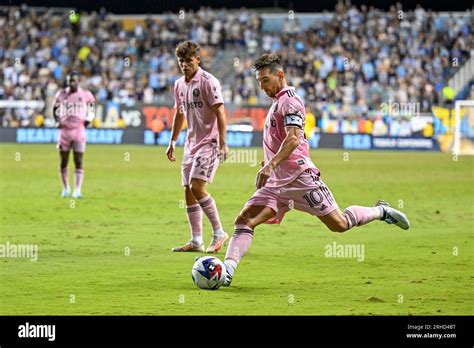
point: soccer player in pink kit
(288, 178)
(198, 98)
(73, 110)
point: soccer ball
(208, 272)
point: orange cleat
(217, 243)
(189, 246)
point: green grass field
(136, 206)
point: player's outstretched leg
(64, 172)
(355, 215)
(194, 214)
(248, 219)
(78, 174)
(209, 207)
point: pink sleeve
(57, 96)
(91, 97)
(293, 113)
(212, 91)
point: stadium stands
(347, 64)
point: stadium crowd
(366, 57)
(356, 59)
(37, 51)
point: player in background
(73, 110)
(198, 98)
(288, 178)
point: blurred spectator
(345, 65)
(365, 56)
(310, 125)
(38, 49)
(157, 126)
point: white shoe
(229, 272)
(66, 193)
(227, 280)
(76, 194)
(393, 216)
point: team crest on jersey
(196, 92)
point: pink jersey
(74, 108)
(287, 110)
(196, 99)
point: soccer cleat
(229, 273)
(228, 279)
(216, 243)
(190, 246)
(65, 193)
(393, 216)
(76, 195)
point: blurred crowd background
(348, 62)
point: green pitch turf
(109, 253)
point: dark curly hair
(268, 60)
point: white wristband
(172, 143)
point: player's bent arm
(290, 143)
(56, 113)
(90, 113)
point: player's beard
(272, 92)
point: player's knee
(339, 226)
(197, 189)
(241, 220)
(63, 163)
